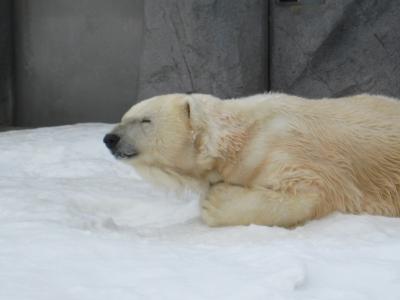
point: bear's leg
(226, 204)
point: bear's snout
(111, 140)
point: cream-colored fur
(271, 159)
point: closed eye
(146, 120)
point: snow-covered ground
(76, 224)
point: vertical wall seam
(268, 44)
(13, 58)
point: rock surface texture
(334, 48)
(204, 46)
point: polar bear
(271, 159)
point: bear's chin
(168, 179)
(124, 156)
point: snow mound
(76, 224)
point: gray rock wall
(209, 46)
(72, 56)
(333, 48)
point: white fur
(271, 159)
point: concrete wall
(77, 61)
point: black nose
(111, 140)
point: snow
(76, 224)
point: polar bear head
(169, 138)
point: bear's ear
(200, 108)
(217, 131)
(203, 114)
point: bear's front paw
(210, 213)
(218, 207)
